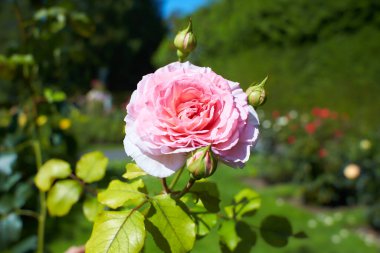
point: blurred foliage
(334, 163)
(58, 46)
(90, 129)
(316, 53)
(72, 42)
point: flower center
(189, 110)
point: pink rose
(182, 107)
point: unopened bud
(202, 163)
(185, 42)
(256, 94)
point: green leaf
(50, 171)
(6, 203)
(81, 24)
(117, 231)
(25, 245)
(10, 229)
(245, 203)
(300, 235)
(228, 235)
(62, 196)
(171, 227)
(248, 239)
(205, 222)
(133, 171)
(9, 181)
(22, 194)
(7, 161)
(91, 208)
(91, 167)
(276, 230)
(119, 192)
(208, 193)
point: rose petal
(158, 166)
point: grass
(329, 230)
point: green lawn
(329, 230)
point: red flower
(338, 134)
(316, 111)
(310, 128)
(322, 153)
(334, 115)
(324, 113)
(275, 114)
(291, 139)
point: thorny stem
(83, 184)
(29, 213)
(165, 185)
(186, 189)
(20, 20)
(177, 176)
(42, 214)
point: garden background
(76, 63)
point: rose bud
(256, 94)
(185, 41)
(202, 163)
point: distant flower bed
(323, 151)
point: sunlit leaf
(245, 203)
(119, 192)
(91, 208)
(62, 196)
(117, 231)
(50, 171)
(133, 171)
(205, 222)
(91, 167)
(54, 96)
(171, 227)
(276, 230)
(228, 235)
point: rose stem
(87, 188)
(42, 214)
(165, 185)
(187, 188)
(177, 176)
